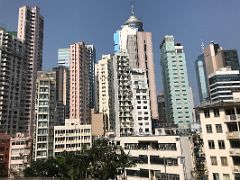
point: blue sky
(95, 21)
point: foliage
(200, 171)
(102, 161)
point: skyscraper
(175, 82)
(104, 89)
(131, 98)
(202, 78)
(213, 59)
(30, 31)
(12, 62)
(79, 83)
(92, 62)
(209, 62)
(138, 44)
(49, 112)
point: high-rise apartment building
(79, 83)
(12, 64)
(63, 57)
(175, 81)
(131, 98)
(30, 31)
(49, 112)
(104, 89)
(138, 44)
(220, 124)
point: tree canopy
(103, 161)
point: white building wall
(71, 137)
(165, 147)
(141, 103)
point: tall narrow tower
(138, 44)
(175, 81)
(79, 83)
(30, 31)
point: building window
(221, 144)
(211, 144)
(219, 128)
(226, 177)
(216, 112)
(213, 160)
(224, 161)
(209, 128)
(216, 176)
(206, 113)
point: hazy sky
(95, 21)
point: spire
(132, 8)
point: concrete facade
(159, 156)
(220, 124)
(19, 154)
(104, 89)
(79, 83)
(12, 83)
(71, 137)
(30, 31)
(138, 44)
(131, 98)
(175, 81)
(49, 112)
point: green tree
(103, 161)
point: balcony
(233, 135)
(232, 118)
(234, 152)
(236, 169)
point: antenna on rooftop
(132, 8)
(202, 45)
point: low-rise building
(220, 124)
(71, 137)
(19, 154)
(158, 156)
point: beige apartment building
(220, 124)
(104, 89)
(79, 83)
(30, 31)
